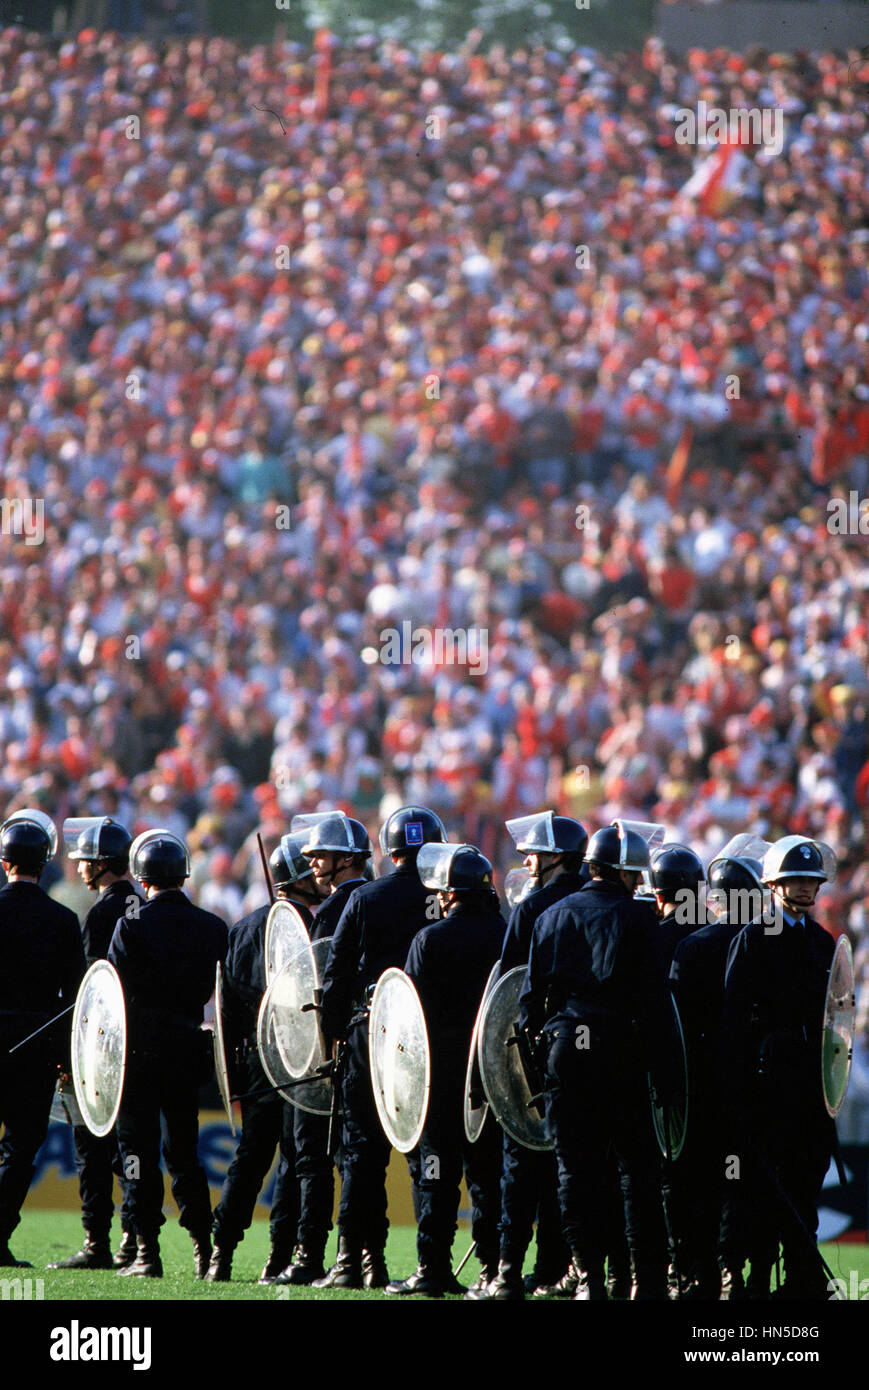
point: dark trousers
(27, 1082)
(597, 1104)
(444, 1154)
(365, 1151)
(161, 1101)
(775, 1202)
(529, 1195)
(266, 1124)
(315, 1174)
(98, 1163)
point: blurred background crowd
(289, 367)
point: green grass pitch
(44, 1236)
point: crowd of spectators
(287, 369)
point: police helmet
(460, 867)
(410, 827)
(25, 844)
(795, 856)
(287, 863)
(546, 833)
(160, 858)
(97, 837)
(738, 874)
(674, 867)
(331, 832)
(622, 845)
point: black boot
(506, 1287)
(590, 1282)
(306, 1267)
(8, 1260)
(147, 1264)
(732, 1285)
(201, 1254)
(428, 1282)
(346, 1272)
(375, 1275)
(220, 1267)
(565, 1288)
(94, 1254)
(279, 1258)
(126, 1251)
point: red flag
(678, 463)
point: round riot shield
(505, 1065)
(288, 1032)
(221, 1067)
(99, 1047)
(400, 1059)
(671, 1120)
(476, 1107)
(286, 935)
(837, 1044)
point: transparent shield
(220, 1063)
(671, 1120)
(286, 936)
(433, 864)
(518, 883)
(744, 846)
(400, 1059)
(291, 1025)
(840, 1018)
(650, 831)
(315, 1096)
(476, 1107)
(501, 1070)
(99, 1047)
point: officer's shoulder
(247, 924)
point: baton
(265, 862)
(319, 1074)
(464, 1260)
(41, 1029)
(798, 1220)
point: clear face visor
(291, 847)
(146, 837)
(433, 865)
(745, 846)
(81, 836)
(533, 834)
(326, 831)
(652, 833)
(37, 818)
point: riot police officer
(677, 877)
(101, 848)
(166, 958)
(697, 1185)
(266, 1119)
(596, 991)
(43, 964)
(774, 997)
(375, 931)
(553, 846)
(449, 962)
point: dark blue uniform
(596, 989)
(266, 1120)
(529, 1180)
(43, 964)
(377, 926)
(774, 997)
(166, 958)
(696, 1188)
(450, 962)
(98, 1161)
